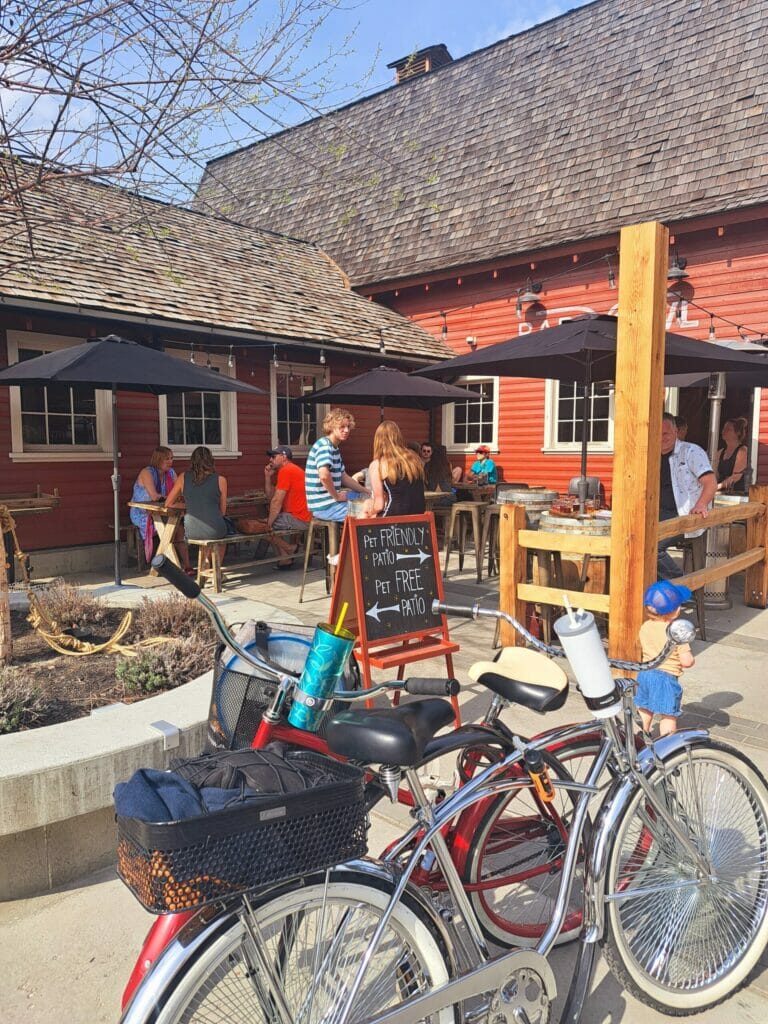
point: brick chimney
(421, 62)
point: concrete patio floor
(72, 950)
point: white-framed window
(293, 422)
(60, 422)
(192, 418)
(563, 416)
(468, 424)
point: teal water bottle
(324, 666)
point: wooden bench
(208, 553)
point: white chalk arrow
(421, 555)
(375, 612)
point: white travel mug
(584, 649)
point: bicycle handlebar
(170, 571)
(475, 611)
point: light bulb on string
(231, 359)
(322, 357)
(274, 356)
(208, 363)
(712, 335)
(192, 354)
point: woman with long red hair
(396, 475)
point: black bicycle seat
(395, 736)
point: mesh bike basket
(181, 865)
(240, 696)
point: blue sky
(395, 28)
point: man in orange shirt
(284, 487)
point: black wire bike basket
(240, 696)
(181, 865)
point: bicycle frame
(273, 727)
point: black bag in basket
(177, 866)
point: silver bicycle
(673, 873)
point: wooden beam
(715, 517)
(639, 402)
(575, 544)
(554, 595)
(756, 579)
(730, 567)
(512, 567)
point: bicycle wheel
(677, 941)
(513, 866)
(312, 943)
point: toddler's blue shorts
(659, 692)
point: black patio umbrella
(584, 350)
(116, 364)
(385, 385)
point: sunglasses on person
(426, 451)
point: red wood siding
(85, 513)
(728, 274)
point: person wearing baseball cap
(483, 466)
(658, 690)
(284, 488)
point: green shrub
(170, 616)
(71, 606)
(143, 674)
(21, 706)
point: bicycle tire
(682, 943)
(522, 841)
(223, 982)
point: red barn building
(448, 196)
(85, 261)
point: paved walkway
(66, 955)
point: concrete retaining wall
(56, 783)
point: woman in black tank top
(396, 475)
(732, 458)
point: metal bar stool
(490, 540)
(461, 512)
(328, 535)
(694, 558)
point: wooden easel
(388, 574)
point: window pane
(193, 403)
(60, 430)
(213, 431)
(59, 398)
(570, 406)
(84, 400)
(175, 404)
(473, 421)
(212, 404)
(33, 398)
(85, 430)
(194, 432)
(33, 429)
(30, 353)
(175, 431)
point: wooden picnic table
(168, 517)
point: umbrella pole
(585, 432)
(116, 487)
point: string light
(611, 275)
(322, 357)
(208, 363)
(274, 356)
(712, 336)
(382, 345)
(231, 360)
(444, 328)
(192, 354)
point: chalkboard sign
(389, 575)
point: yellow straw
(340, 619)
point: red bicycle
(507, 849)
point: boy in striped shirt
(324, 473)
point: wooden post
(756, 577)
(638, 407)
(512, 563)
(6, 644)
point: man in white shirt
(688, 486)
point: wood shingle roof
(618, 112)
(100, 249)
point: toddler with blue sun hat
(658, 690)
